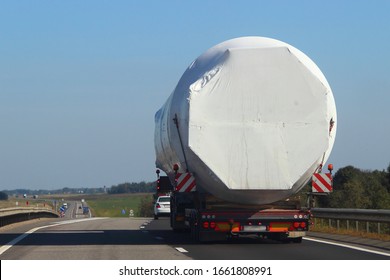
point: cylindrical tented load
(256, 119)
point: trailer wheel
(280, 237)
(296, 240)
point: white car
(162, 207)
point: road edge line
(347, 246)
(16, 240)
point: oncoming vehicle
(162, 207)
(85, 210)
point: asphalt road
(146, 239)
(89, 239)
(255, 249)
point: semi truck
(251, 121)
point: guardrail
(373, 220)
(20, 214)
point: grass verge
(116, 205)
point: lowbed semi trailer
(249, 123)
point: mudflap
(177, 223)
(296, 236)
(179, 203)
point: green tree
(347, 190)
(388, 179)
(376, 191)
(3, 196)
(145, 208)
(354, 188)
(141, 187)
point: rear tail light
(212, 225)
(205, 224)
(299, 224)
(158, 205)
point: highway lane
(144, 239)
(255, 249)
(75, 210)
(86, 239)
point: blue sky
(80, 81)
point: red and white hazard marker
(185, 182)
(322, 183)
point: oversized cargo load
(252, 119)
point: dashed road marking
(181, 250)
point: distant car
(162, 207)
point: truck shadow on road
(154, 233)
(112, 237)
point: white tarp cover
(254, 115)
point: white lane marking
(13, 242)
(348, 246)
(76, 221)
(159, 238)
(181, 250)
(21, 237)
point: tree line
(356, 188)
(31, 192)
(352, 188)
(141, 187)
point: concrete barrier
(20, 214)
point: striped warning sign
(185, 182)
(322, 183)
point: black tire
(280, 237)
(156, 217)
(296, 240)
